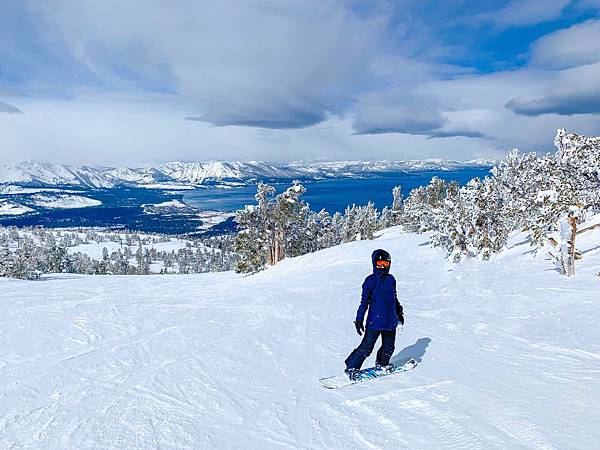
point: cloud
(563, 104)
(264, 79)
(261, 63)
(563, 92)
(569, 47)
(456, 133)
(130, 130)
(377, 119)
(410, 115)
(265, 118)
(521, 13)
(10, 109)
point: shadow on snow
(415, 351)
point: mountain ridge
(34, 173)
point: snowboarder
(385, 313)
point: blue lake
(332, 194)
(122, 207)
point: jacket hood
(377, 255)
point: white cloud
(259, 63)
(145, 130)
(519, 13)
(573, 46)
(290, 80)
(396, 111)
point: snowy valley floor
(509, 355)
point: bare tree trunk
(279, 250)
(275, 249)
(271, 247)
(571, 242)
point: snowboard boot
(389, 368)
(352, 373)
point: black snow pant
(362, 352)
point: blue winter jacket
(380, 298)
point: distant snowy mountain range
(32, 173)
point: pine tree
(25, 261)
(365, 222)
(348, 230)
(6, 260)
(291, 216)
(397, 204)
(256, 231)
(424, 204)
(387, 218)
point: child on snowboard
(385, 312)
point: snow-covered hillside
(64, 201)
(508, 351)
(200, 172)
(176, 174)
(8, 208)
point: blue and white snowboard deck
(340, 381)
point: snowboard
(371, 373)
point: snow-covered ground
(170, 204)
(8, 208)
(65, 201)
(20, 190)
(94, 249)
(172, 186)
(509, 354)
(211, 218)
(93, 244)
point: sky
(146, 81)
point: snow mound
(64, 201)
(19, 190)
(212, 218)
(8, 208)
(170, 204)
(508, 352)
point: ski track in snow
(508, 351)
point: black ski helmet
(381, 255)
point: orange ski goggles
(382, 264)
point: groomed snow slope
(509, 355)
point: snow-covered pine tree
(291, 218)
(366, 221)
(451, 224)
(54, 258)
(531, 187)
(25, 261)
(578, 159)
(397, 204)
(488, 230)
(5, 260)
(386, 218)
(255, 231)
(348, 231)
(423, 204)
(327, 232)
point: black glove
(400, 312)
(359, 327)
